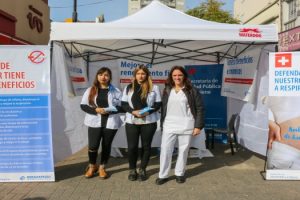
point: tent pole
(67, 49)
(227, 51)
(218, 57)
(153, 52)
(51, 55)
(74, 17)
(88, 66)
(249, 45)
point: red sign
(247, 81)
(283, 60)
(158, 81)
(250, 32)
(78, 79)
(289, 40)
(37, 57)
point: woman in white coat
(141, 100)
(182, 117)
(101, 102)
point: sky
(87, 10)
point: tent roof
(157, 28)
(157, 21)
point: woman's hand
(274, 133)
(101, 111)
(136, 113)
(196, 131)
(145, 114)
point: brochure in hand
(110, 109)
(139, 121)
(144, 110)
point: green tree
(211, 10)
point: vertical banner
(239, 75)
(208, 79)
(78, 74)
(25, 117)
(283, 161)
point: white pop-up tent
(156, 34)
(159, 34)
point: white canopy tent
(156, 34)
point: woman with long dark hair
(101, 102)
(141, 100)
(182, 117)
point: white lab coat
(114, 99)
(153, 96)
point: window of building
(289, 25)
(292, 9)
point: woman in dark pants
(141, 100)
(101, 103)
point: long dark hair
(96, 84)
(186, 81)
(147, 85)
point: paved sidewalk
(223, 177)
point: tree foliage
(211, 10)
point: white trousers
(166, 152)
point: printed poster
(208, 79)
(283, 157)
(239, 75)
(159, 74)
(25, 114)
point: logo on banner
(192, 71)
(37, 57)
(250, 32)
(283, 60)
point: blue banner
(25, 142)
(208, 80)
(26, 152)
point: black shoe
(180, 179)
(132, 175)
(142, 175)
(160, 181)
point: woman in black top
(101, 103)
(141, 100)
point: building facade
(135, 5)
(24, 22)
(289, 37)
(258, 12)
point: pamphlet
(144, 110)
(110, 109)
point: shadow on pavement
(68, 171)
(222, 157)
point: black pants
(133, 133)
(95, 136)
